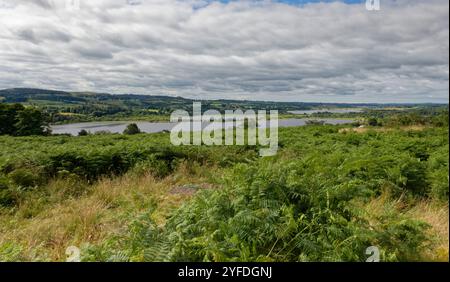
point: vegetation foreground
(328, 195)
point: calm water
(153, 127)
(337, 111)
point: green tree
(31, 121)
(132, 129)
(8, 117)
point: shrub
(132, 129)
(416, 178)
(7, 197)
(158, 168)
(83, 132)
(25, 178)
(69, 184)
(438, 174)
(372, 122)
(439, 184)
(3, 183)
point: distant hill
(29, 95)
(66, 106)
(53, 97)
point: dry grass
(382, 129)
(435, 214)
(44, 230)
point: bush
(89, 165)
(7, 197)
(132, 129)
(438, 174)
(25, 178)
(3, 183)
(416, 178)
(83, 132)
(372, 122)
(439, 184)
(158, 168)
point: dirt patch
(190, 189)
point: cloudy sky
(290, 50)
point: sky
(290, 50)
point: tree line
(17, 120)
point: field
(329, 194)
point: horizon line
(224, 99)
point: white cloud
(242, 50)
